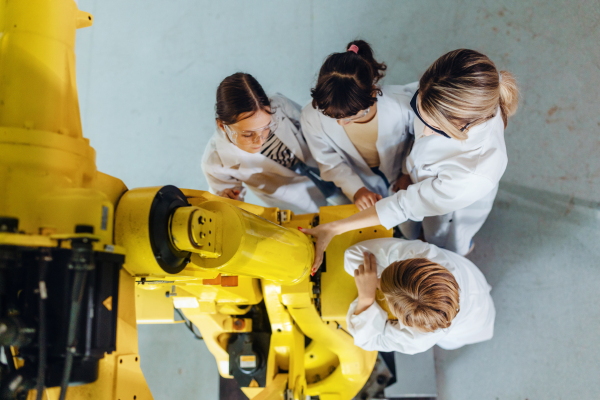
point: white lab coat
(474, 322)
(338, 159)
(454, 185)
(227, 166)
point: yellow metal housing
(255, 247)
(240, 254)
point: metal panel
(131, 384)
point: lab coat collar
(231, 155)
(387, 129)
(385, 126)
(285, 133)
(480, 133)
(475, 137)
(339, 136)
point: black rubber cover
(166, 201)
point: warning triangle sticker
(108, 303)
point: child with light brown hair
(437, 297)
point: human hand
(402, 183)
(364, 198)
(367, 282)
(230, 194)
(323, 233)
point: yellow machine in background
(83, 259)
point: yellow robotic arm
(83, 259)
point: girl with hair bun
(259, 146)
(358, 132)
(450, 178)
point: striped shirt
(274, 149)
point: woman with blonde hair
(450, 178)
(436, 296)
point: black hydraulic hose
(76, 296)
(42, 338)
(189, 325)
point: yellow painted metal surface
(37, 60)
(130, 380)
(355, 364)
(49, 181)
(153, 306)
(287, 341)
(338, 289)
(48, 176)
(195, 229)
(245, 243)
(197, 197)
(256, 247)
(319, 361)
(274, 391)
(132, 231)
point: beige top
(364, 138)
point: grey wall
(148, 70)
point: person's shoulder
(281, 104)
(419, 249)
(308, 108)
(212, 147)
(400, 90)
(309, 112)
(278, 99)
(400, 95)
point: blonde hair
(420, 293)
(464, 87)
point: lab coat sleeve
(372, 330)
(216, 176)
(290, 108)
(333, 168)
(453, 189)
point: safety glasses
(413, 104)
(250, 137)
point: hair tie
(499, 76)
(353, 48)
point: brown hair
(347, 81)
(420, 293)
(238, 94)
(464, 87)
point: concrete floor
(147, 74)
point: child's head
(243, 111)
(463, 88)
(421, 293)
(347, 81)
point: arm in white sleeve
(218, 180)
(333, 168)
(290, 108)
(372, 330)
(451, 190)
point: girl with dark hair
(451, 175)
(357, 131)
(259, 144)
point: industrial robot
(84, 259)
